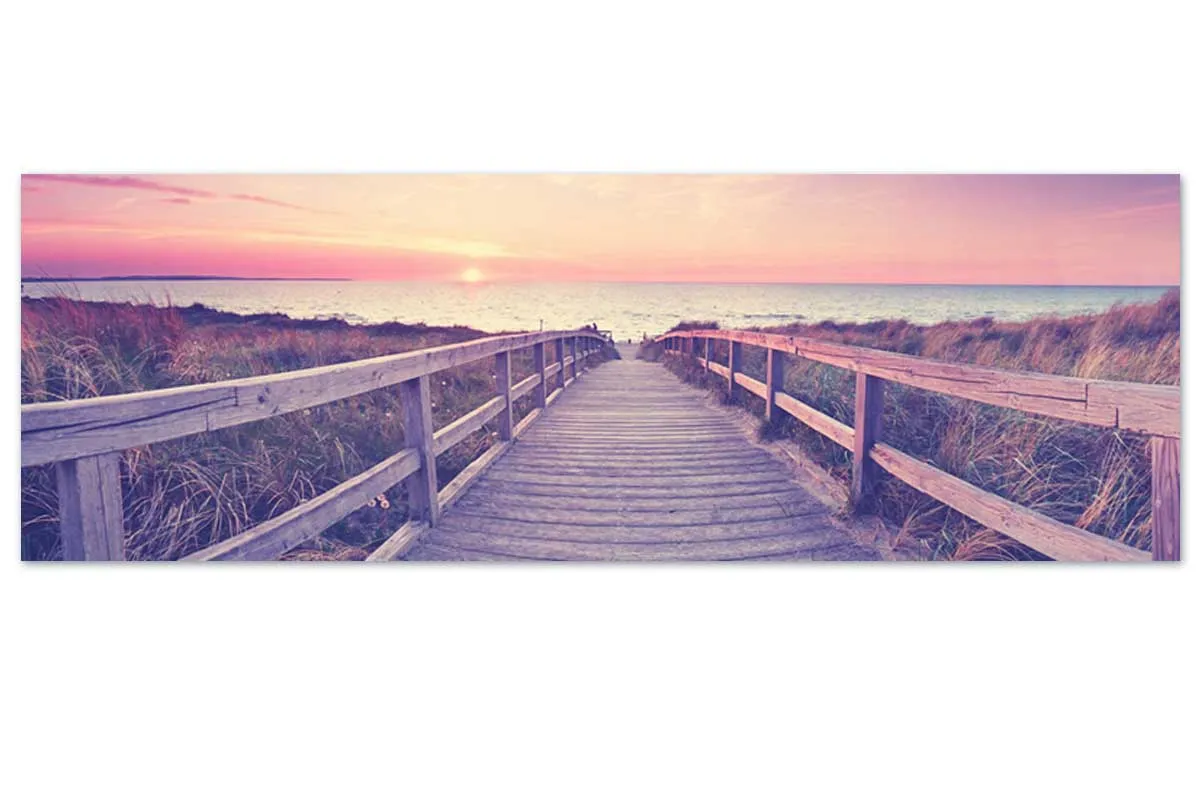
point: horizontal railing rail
(1147, 409)
(84, 438)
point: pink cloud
(120, 181)
(267, 201)
(132, 182)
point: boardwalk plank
(645, 552)
(540, 455)
(631, 464)
(506, 524)
(786, 500)
(660, 490)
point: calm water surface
(629, 310)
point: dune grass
(1093, 478)
(185, 494)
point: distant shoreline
(59, 279)
(64, 279)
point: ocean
(628, 310)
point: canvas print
(600, 367)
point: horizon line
(326, 279)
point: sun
(472, 275)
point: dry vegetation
(1093, 478)
(185, 494)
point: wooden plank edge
(823, 423)
(1137, 407)
(524, 424)
(400, 542)
(466, 424)
(271, 538)
(59, 431)
(756, 387)
(1044, 534)
(454, 490)
(526, 385)
(1153, 409)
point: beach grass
(185, 494)
(1094, 478)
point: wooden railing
(84, 439)
(1148, 409)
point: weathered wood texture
(633, 465)
(272, 538)
(775, 373)
(560, 358)
(525, 386)
(401, 541)
(89, 485)
(868, 425)
(756, 387)
(90, 510)
(1130, 406)
(418, 435)
(1164, 465)
(504, 391)
(822, 423)
(1152, 409)
(57, 431)
(466, 424)
(455, 489)
(735, 365)
(541, 389)
(1057, 540)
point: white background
(303, 686)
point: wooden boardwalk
(624, 462)
(631, 464)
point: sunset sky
(1011, 229)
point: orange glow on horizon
(1013, 229)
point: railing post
(418, 433)
(708, 355)
(735, 363)
(90, 513)
(1164, 511)
(775, 359)
(868, 425)
(574, 357)
(504, 389)
(539, 362)
(560, 351)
